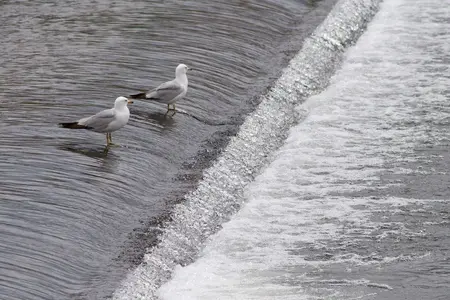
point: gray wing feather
(165, 92)
(100, 120)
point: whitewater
(354, 205)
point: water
(220, 193)
(355, 204)
(74, 219)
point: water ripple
(68, 206)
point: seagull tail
(138, 96)
(73, 125)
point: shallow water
(73, 218)
(355, 204)
(220, 193)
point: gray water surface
(355, 204)
(73, 218)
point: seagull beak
(190, 69)
(130, 101)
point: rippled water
(68, 209)
(355, 204)
(221, 191)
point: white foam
(220, 193)
(306, 226)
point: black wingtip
(138, 96)
(73, 125)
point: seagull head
(122, 102)
(181, 69)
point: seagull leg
(106, 150)
(168, 109)
(110, 139)
(171, 108)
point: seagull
(106, 121)
(168, 92)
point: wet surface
(74, 217)
(355, 204)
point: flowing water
(221, 191)
(73, 217)
(355, 204)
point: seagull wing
(166, 92)
(99, 121)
